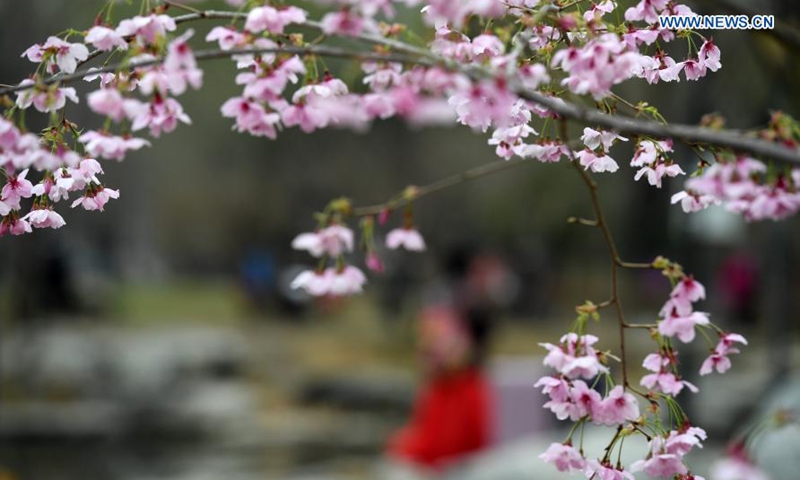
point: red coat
(451, 418)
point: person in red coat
(451, 417)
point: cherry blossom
(56, 52)
(574, 357)
(44, 218)
(682, 327)
(709, 56)
(718, 360)
(331, 241)
(113, 147)
(45, 99)
(619, 406)
(14, 226)
(564, 457)
(105, 39)
(96, 199)
(272, 19)
(408, 238)
(16, 188)
(604, 471)
(597, 163)
(146, 29)
(594, 138)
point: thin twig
(616, 262)
(217, 54)
(441, 184)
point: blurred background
(161, 339)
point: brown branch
(217, 54)
(731, 139)
(441, 184)
(616, 261)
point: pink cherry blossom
(604, 471)
(158, 116)
(574, 357)
(346, 23)
(666, 382)
(656, 172)
(96, 199)
(693, 69)
(105, 39)
(689, 290)
(347, 281)
(227, 37)
(313, 282)
(102, 145)
(408, 238)
(17, 187)
(50, 99)
(594, 138)
(108, 102)
(693, 202)
(586, 401)
(664, 465)
(619, 406)
(44, 218)
(718, 360)
(273, 20)
(331, 241)
(14, 226)
(146, 29)
(597, 163)
(58, 52)
(682, 327)
(564, 457)
(251, 117)
(709, 56)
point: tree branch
(441, 184)
(217, 54)
(734, 140)
(616, 261)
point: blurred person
(451, 417)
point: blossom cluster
(72, 166)
(333, 240)
(579, 367)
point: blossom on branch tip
(59, 53)
(564, 457)
(272, 19)
(96, 199)
(331, 241)
(718, 360)
(14, 225)
(682, 327)
(16, 188)
(146, 29)
(604, 471)
(113, 147)
(105, 39)
(593, 138)
(44, 218)
(347, 281)
(408, 238)
(618, 407)
(597, 163)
